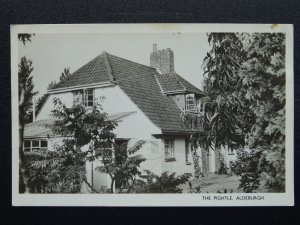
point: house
(147, 102)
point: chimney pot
(154, 47)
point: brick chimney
(162, 59)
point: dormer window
(85, 97)
(190, 102)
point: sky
(51, 53)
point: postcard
(152, 115)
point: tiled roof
(172, 82)
(40, 128)
(138, 82)
(43, 128)
(119, 116)
(93, 72)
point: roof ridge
(74, 73)
(108, 67)
(131, 61)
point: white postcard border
(268, 199)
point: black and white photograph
(152, 114)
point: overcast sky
(51, 53)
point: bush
(161, 184)
(246, 166)
(55, 172)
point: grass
(214, 183)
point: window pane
(77, 96)
(26, 149)
(27, 144)
(35, 149)
(190, 101)
(35, 144)
(169, 148)
(89, 97)
(44, 144)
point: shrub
(246, 166)
(164, 183)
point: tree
(26, 93)
(25, 37)
(85, 126)
(263, 87)
(245, 82)
(124, 167)
(65, 74)
(26, 90)
(41, 100)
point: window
(27, 146)
(89, 97)
(169, 150)
(85, 97)
(190, 102)
(34, 145)
(78, 96)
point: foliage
(60, 171)
(64, 75)
(222, 166)
(41, 100)
(222, 121)
(25, 94)
(40, 103)
(247, 167)
(26, 90)
(196, 189)
(63, 170)
(245, 81)
(84, 126)
(124, 168)
(225, 191)
(25, 37)
(88, 126)
(164, 183)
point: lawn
(214, 183)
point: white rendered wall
(136, 125)
(228, 155)
(151, 151)
(99, 181)
(179, 165)
(45, 113)
(211, 161)
(115, 101)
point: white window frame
(32, 148)
(83, 96)
(169, 150)
(190, 102)
(87, 93)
